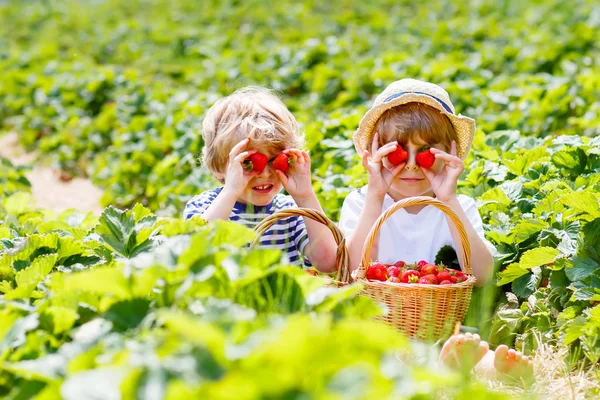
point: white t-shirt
(410, 237)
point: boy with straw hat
(412, 143)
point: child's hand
(297, 182)
(380, 178)
(444, 182)
(237, 177)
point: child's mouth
(263, 189)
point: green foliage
(147, 306)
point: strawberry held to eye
(377, 272)
(398, 156)
(256, 162)
(282, 162)
(425, 158)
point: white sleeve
(470, 209)
(351, 209)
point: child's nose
(267, 171)
(411, 163)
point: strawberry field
(137, 303)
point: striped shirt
(288, 235)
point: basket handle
(416, 201)
(342, 258)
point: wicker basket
(426, 312)
(342, 276)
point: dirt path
(48, 190)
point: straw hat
(415, 91)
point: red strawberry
(428, 279)
(429, 269)
(399, 264)
(460, 277)
(282, 162)
(377, 272)
(425, 158)
(394, 279)
(446, 282)
(421, 263)
(398, 156)
(393, 271)
(410, 277)
(453, 278)
(444, 276)
(256, 162)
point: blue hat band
(396, 95)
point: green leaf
(18, 203)
(538, 257)
(103, 281)
(15, 336)
(525, 229)
(27, 279)
(571, 159)
(584, 202)
(524, 286)
(519, 163)
(60, 319)
(591, 234)
(231, 233)
(581, 268)
(128, 314)
(194, 330)
(512, 272)
(116, 228)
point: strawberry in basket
(377, 272)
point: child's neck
(412, 209)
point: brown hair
(254, 113)
(415, 122)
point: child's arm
(235, 184)
(444, 186)
(482, 260)
(321, 250)
(380, 179)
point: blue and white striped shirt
(288, 235)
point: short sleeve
(199, 204)
(470, 208)
(351, 209)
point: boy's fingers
(242, 156)
(384, 151)
(238, 147)
(282, 177)
(365, 159)
(397, 169)
(428, 174)
(375, 143)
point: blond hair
(415, 122)
(252, 112)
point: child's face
(262, 188)
(411, 181)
